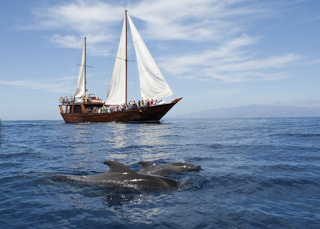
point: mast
(126, 57)
(85, 65)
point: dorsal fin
(146, 164)
(117, 167)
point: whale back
(186, 166)
(117, 167)
(166, 169)
(146, 164)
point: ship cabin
(90, 104)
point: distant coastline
(256, 111)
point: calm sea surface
(255, 173)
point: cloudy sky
(213, 53)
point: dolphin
(121, 175)
(166, 169)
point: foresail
(152, 83)
(117, 87)
(82, 78)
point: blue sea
(255, 173)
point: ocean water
(255, 173)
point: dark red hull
(142, 114)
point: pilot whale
(121, 175)
(166, 169)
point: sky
(213, 53)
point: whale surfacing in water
(121, 175)
(166, 169)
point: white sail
(152, 83)
(117, 87)
(81, 88)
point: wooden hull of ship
(141, 114)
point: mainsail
(152, 83)
(117, 87)
(81, 88)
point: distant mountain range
(256, 111)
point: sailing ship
(86, 107)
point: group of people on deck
(66, 100)
(123, 107)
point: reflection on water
(90, 144)
(152, 135)
(118, 135)
(127, 140)
(81, 134)
(126, 135)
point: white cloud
(71, 41)
(52, 86)
(195, 20)
(231, 62)
(227, 53)
(203, 20)
(68, 41)
(229, 65)
(249, 76)
(256, 64)
(78, 16)
(223, 24)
